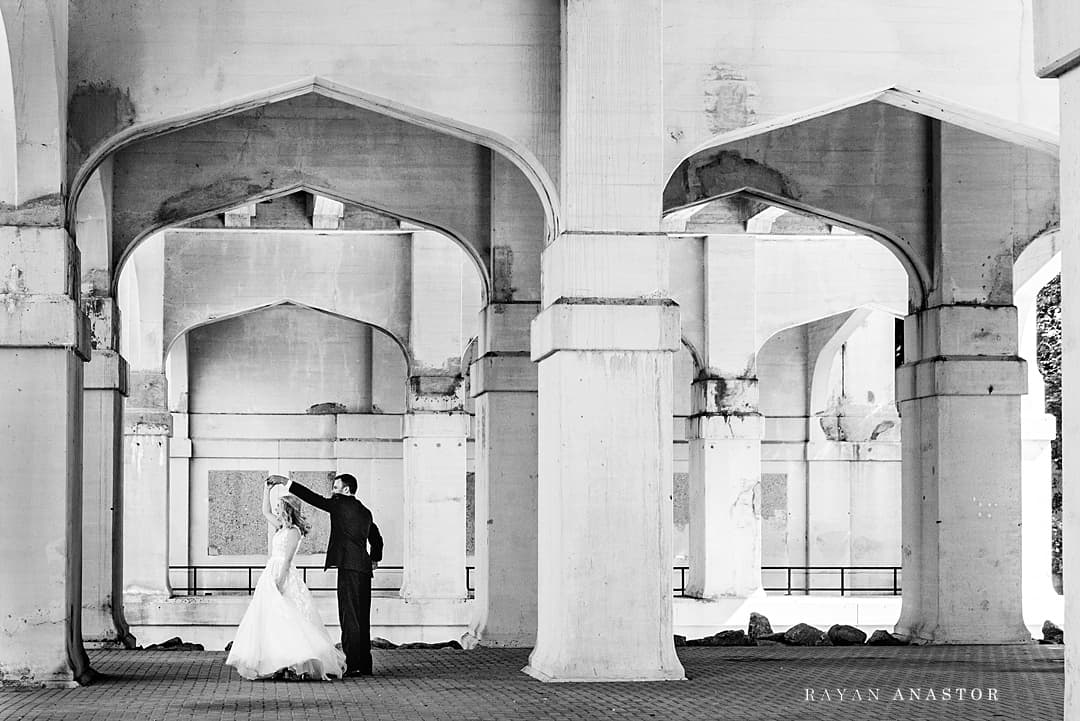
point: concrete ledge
(107, 370)
(594, 327)
(504, 327)
(717, 426)
(212, 620)
(43, 321)
(853, 452)
(979, 376)
(963, 330)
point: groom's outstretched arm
(308, 496)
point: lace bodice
(279, 544)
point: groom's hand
(374, 565)
(275, 481)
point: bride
(281, 631)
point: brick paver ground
(486, 685)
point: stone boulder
(1052, 633)
(772, 639)
(804, 634)
(175, 644)
(759, 626)
(842, 635)
(441, 644)
(723, 638)
(884, 638)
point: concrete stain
(46, 211)
(97, 111)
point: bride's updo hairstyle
(291, 515)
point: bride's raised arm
(270, 517)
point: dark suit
(351, 530)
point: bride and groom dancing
(281, 632)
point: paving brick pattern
(486, 685)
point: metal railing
(798, 580)
(807, 580)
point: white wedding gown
(282, 630)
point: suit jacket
(351, 529)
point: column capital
(502, 373)
(725, 395)
(442, 393)
(961, 330)
(967, 376)
(107, 370)
(580, 265)
(606, 324)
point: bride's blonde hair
(292, 516)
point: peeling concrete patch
(731, 100)
(727, 171)
(46, 211)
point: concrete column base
(506, 526)
(434, 552)
(725, 521)
(961, 491)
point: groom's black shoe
(357, 673)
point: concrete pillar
(959, 393)
(725, 429)
(105, 385)
(604, 342)
(1057, 47)
(44, 340)
(725, 488)
(434, 549)
(147, 427)
(503, 382)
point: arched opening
(9, 165)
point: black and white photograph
(529, 360)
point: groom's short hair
(347, 480)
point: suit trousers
(354, 614)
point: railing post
(841, 580)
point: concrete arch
(883, 164)
(1037, 264)
(33, 123)
(170, 342)
(467, 248)
(9, 166)
(870, 307)
(520, 156)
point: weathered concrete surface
(961, 476)
(33, 124)
(994, 185)
(773, 58)
(332, 147)
(283, 359)
(504, 385)
(147, 426)
(371, 47)
(43, 344)
(215, 274)
(434, 482)
(104, 383)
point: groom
(351, 529)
